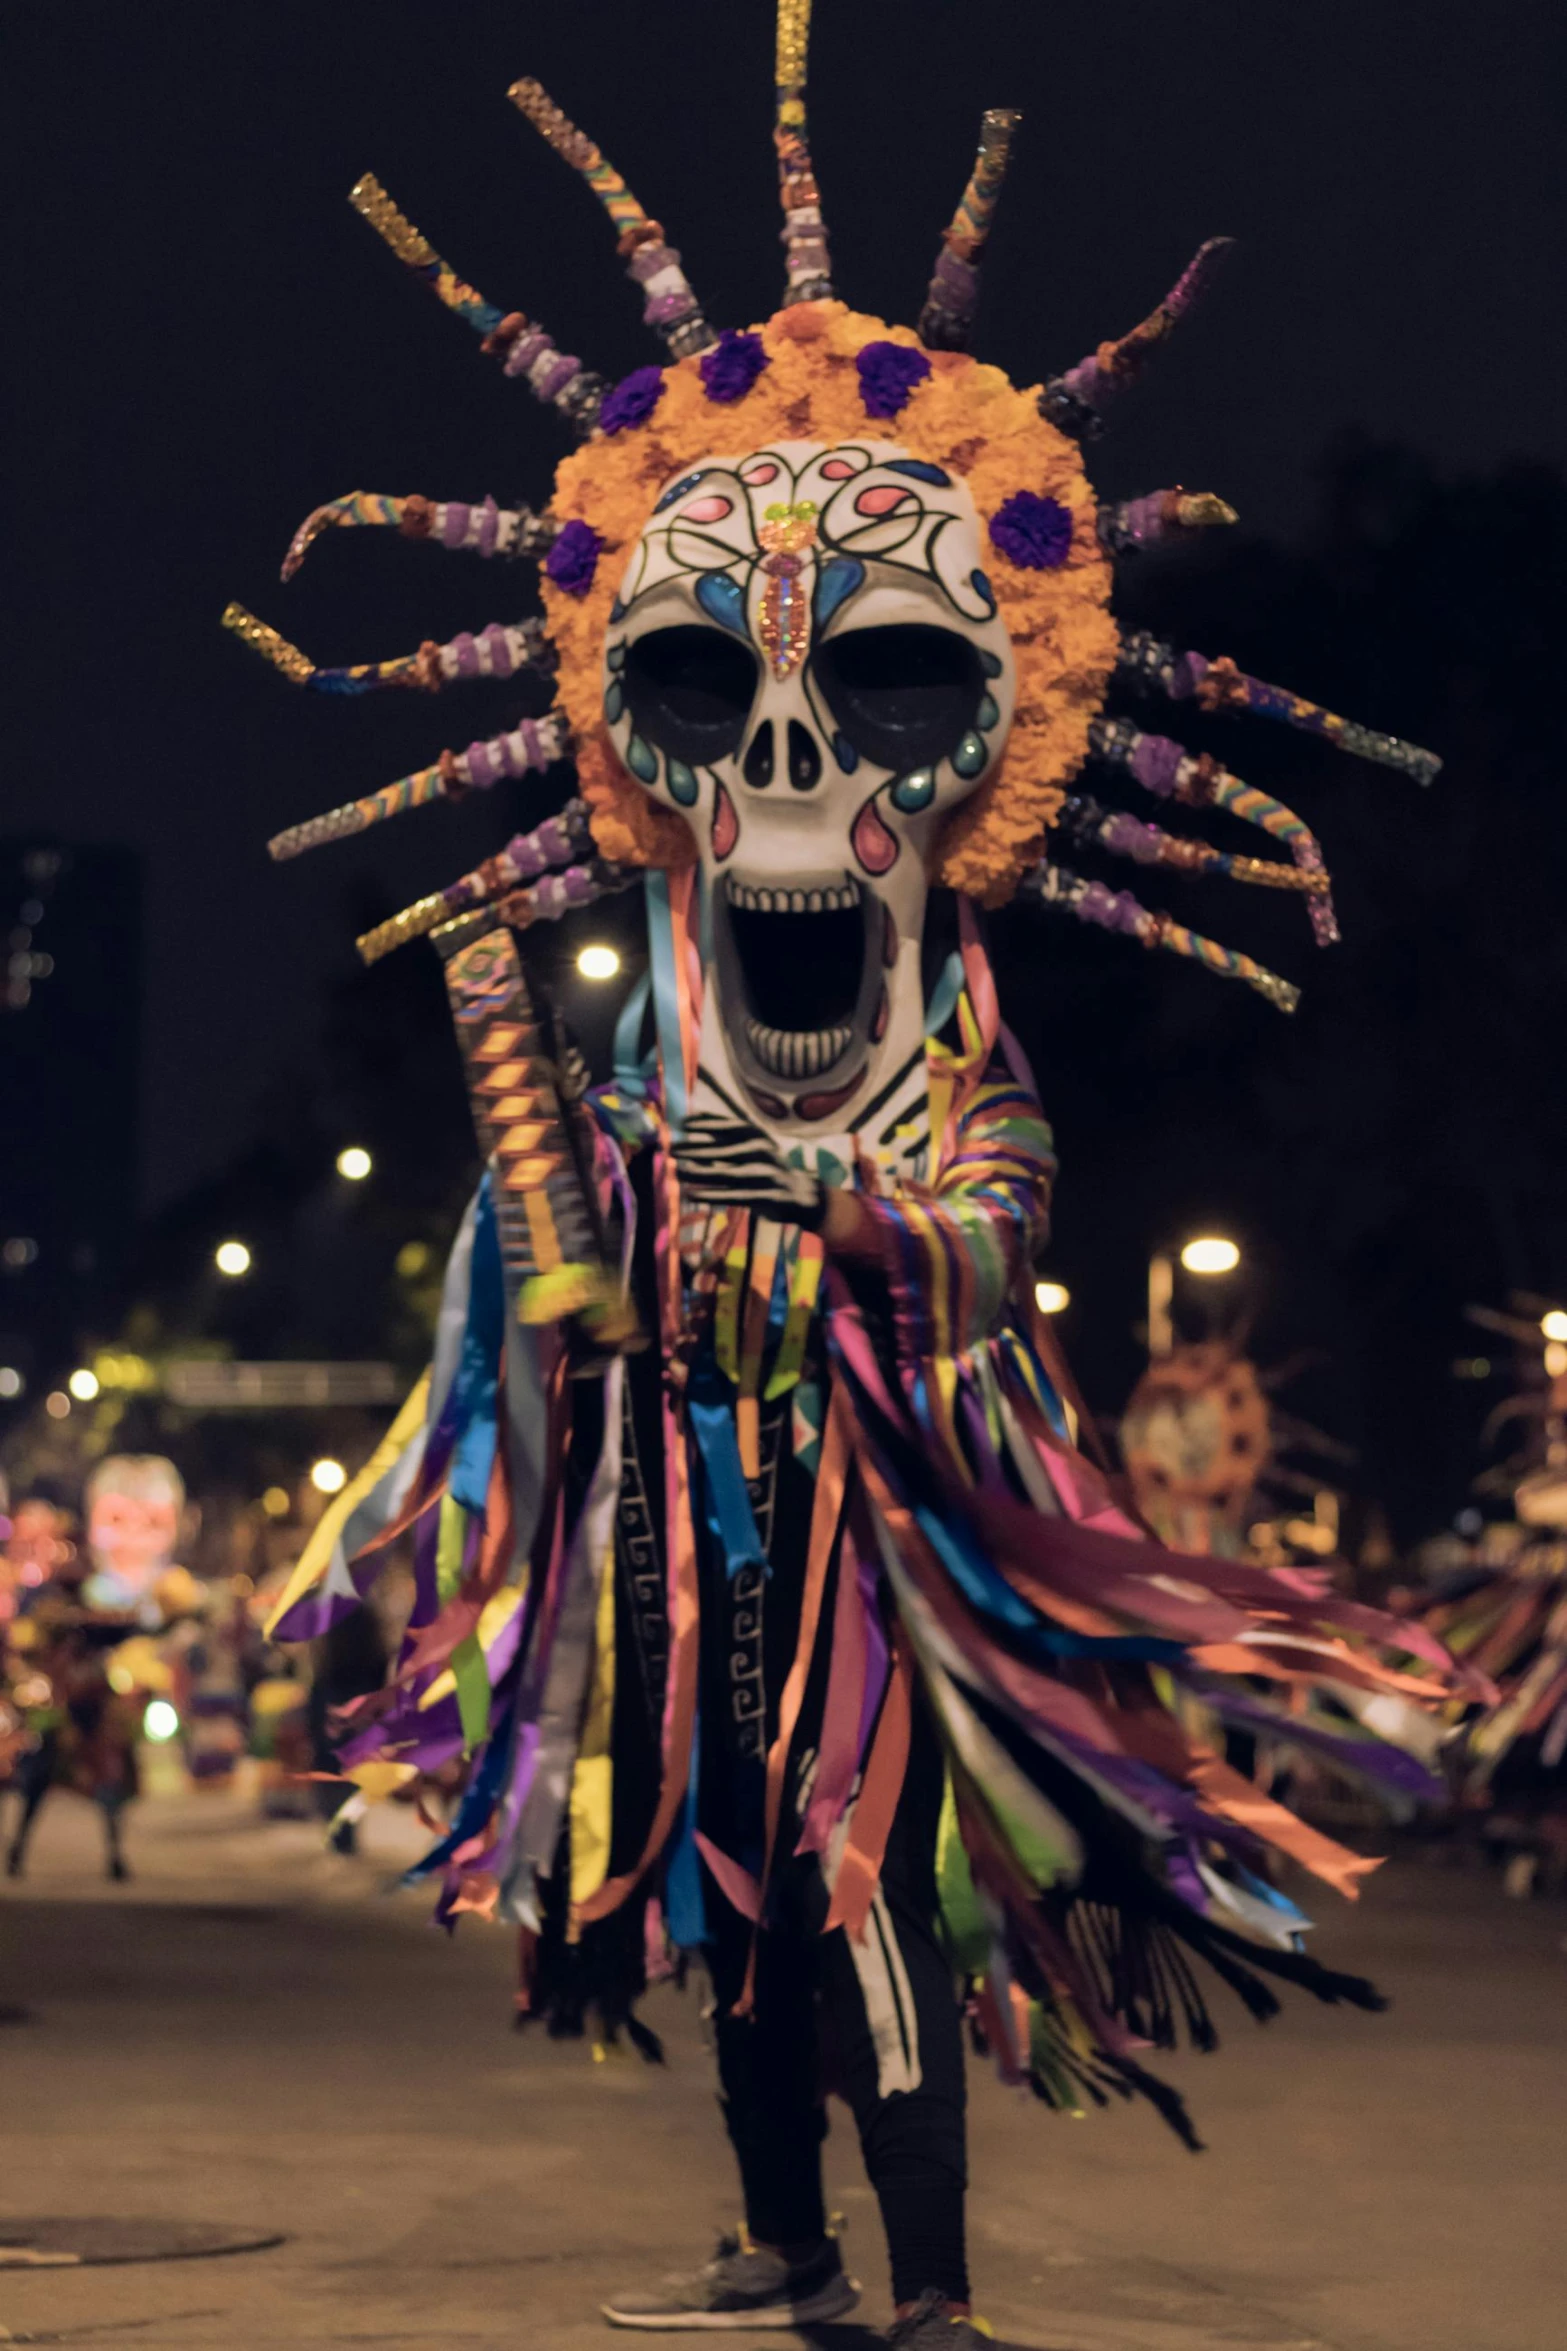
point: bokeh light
(354, 1163)
(83, 1385)
(328, 1476)
(598, 962)
(161, 1722)
(231, 1258)
(1052, 1297)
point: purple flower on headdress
(732, 366)
(573, 559)
(1033, 532)
(632, 400)
(888, 374)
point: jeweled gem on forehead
(788, 532)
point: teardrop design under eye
(640, 760)
(990, 663)
(913, 792)
(614, 700)
(970, 755)
(681, 781)
(989, 711)
(616, 656)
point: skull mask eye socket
(903, 695)
(689, 691)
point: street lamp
(1554, 1325)
(1206, 1253)
(1210, 1253)
(1052, 1297)
(231, 1258)
(598, 962)
(83, 1385)
(11, 1381)
(354, 1163)
(328, 1476)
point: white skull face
(805, 659)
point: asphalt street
(254, 2034)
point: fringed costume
(764, 1587)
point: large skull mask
(806, 661)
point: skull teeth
(797, 1053)
(830, 898)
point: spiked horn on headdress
(533, 746)
(947, 319)
(496, 652)
(1089, 821)
(1117, 910)
(1128, 524)
(1074, 402)
(523, 347)
(807, 270)
(1167, 769)
(537, 877)
(485, 529)
(1219, 685)
(671, 308)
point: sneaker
(933, 2325)
(743, 2286)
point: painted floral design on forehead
(787, 537)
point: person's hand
(727, 1163)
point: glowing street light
(231, 1258)
(328, 1476)
(355, 1163)
(1210, 1253)
(1052, 1297)
(1554, 1324)
(83, 1385)
(11, 1382)
(598, 962)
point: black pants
(878, 2022)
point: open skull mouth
(801, 966)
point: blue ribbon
(684, 1908)
(726, 1502)
(472, 1403)
(944, 995)
(632, 1068)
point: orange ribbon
(1228, 1792)
(870, 1823)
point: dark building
(70, 988)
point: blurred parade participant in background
(349, 1661)
(79, 1732)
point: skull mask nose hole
(805, 759)
(758, 767)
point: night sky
(206, 342)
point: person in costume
(1503, 1609)
(762, 1585)
(80, 1731)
